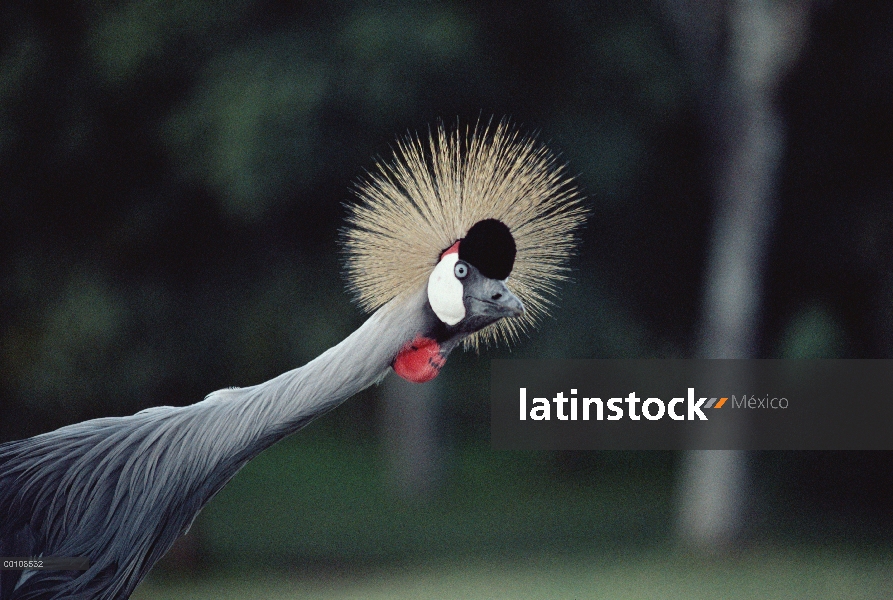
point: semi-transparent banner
(692, 404)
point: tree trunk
(410, 431)
(737, 89)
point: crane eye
(461, 270)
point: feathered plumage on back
(425, 199)
(117, 490)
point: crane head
(467, 288)
(446, 221)
(466, 292)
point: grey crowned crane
(429, 249)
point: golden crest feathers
(416, 206)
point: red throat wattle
(419, 360)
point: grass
(323, 514)
(315, 499)
(763, 574)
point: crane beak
(492, 299)
(509, 304)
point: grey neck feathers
(285, 403)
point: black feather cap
(489, 247)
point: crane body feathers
(120, 490)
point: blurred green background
(172, 182)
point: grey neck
(286, 403)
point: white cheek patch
(445, 291)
